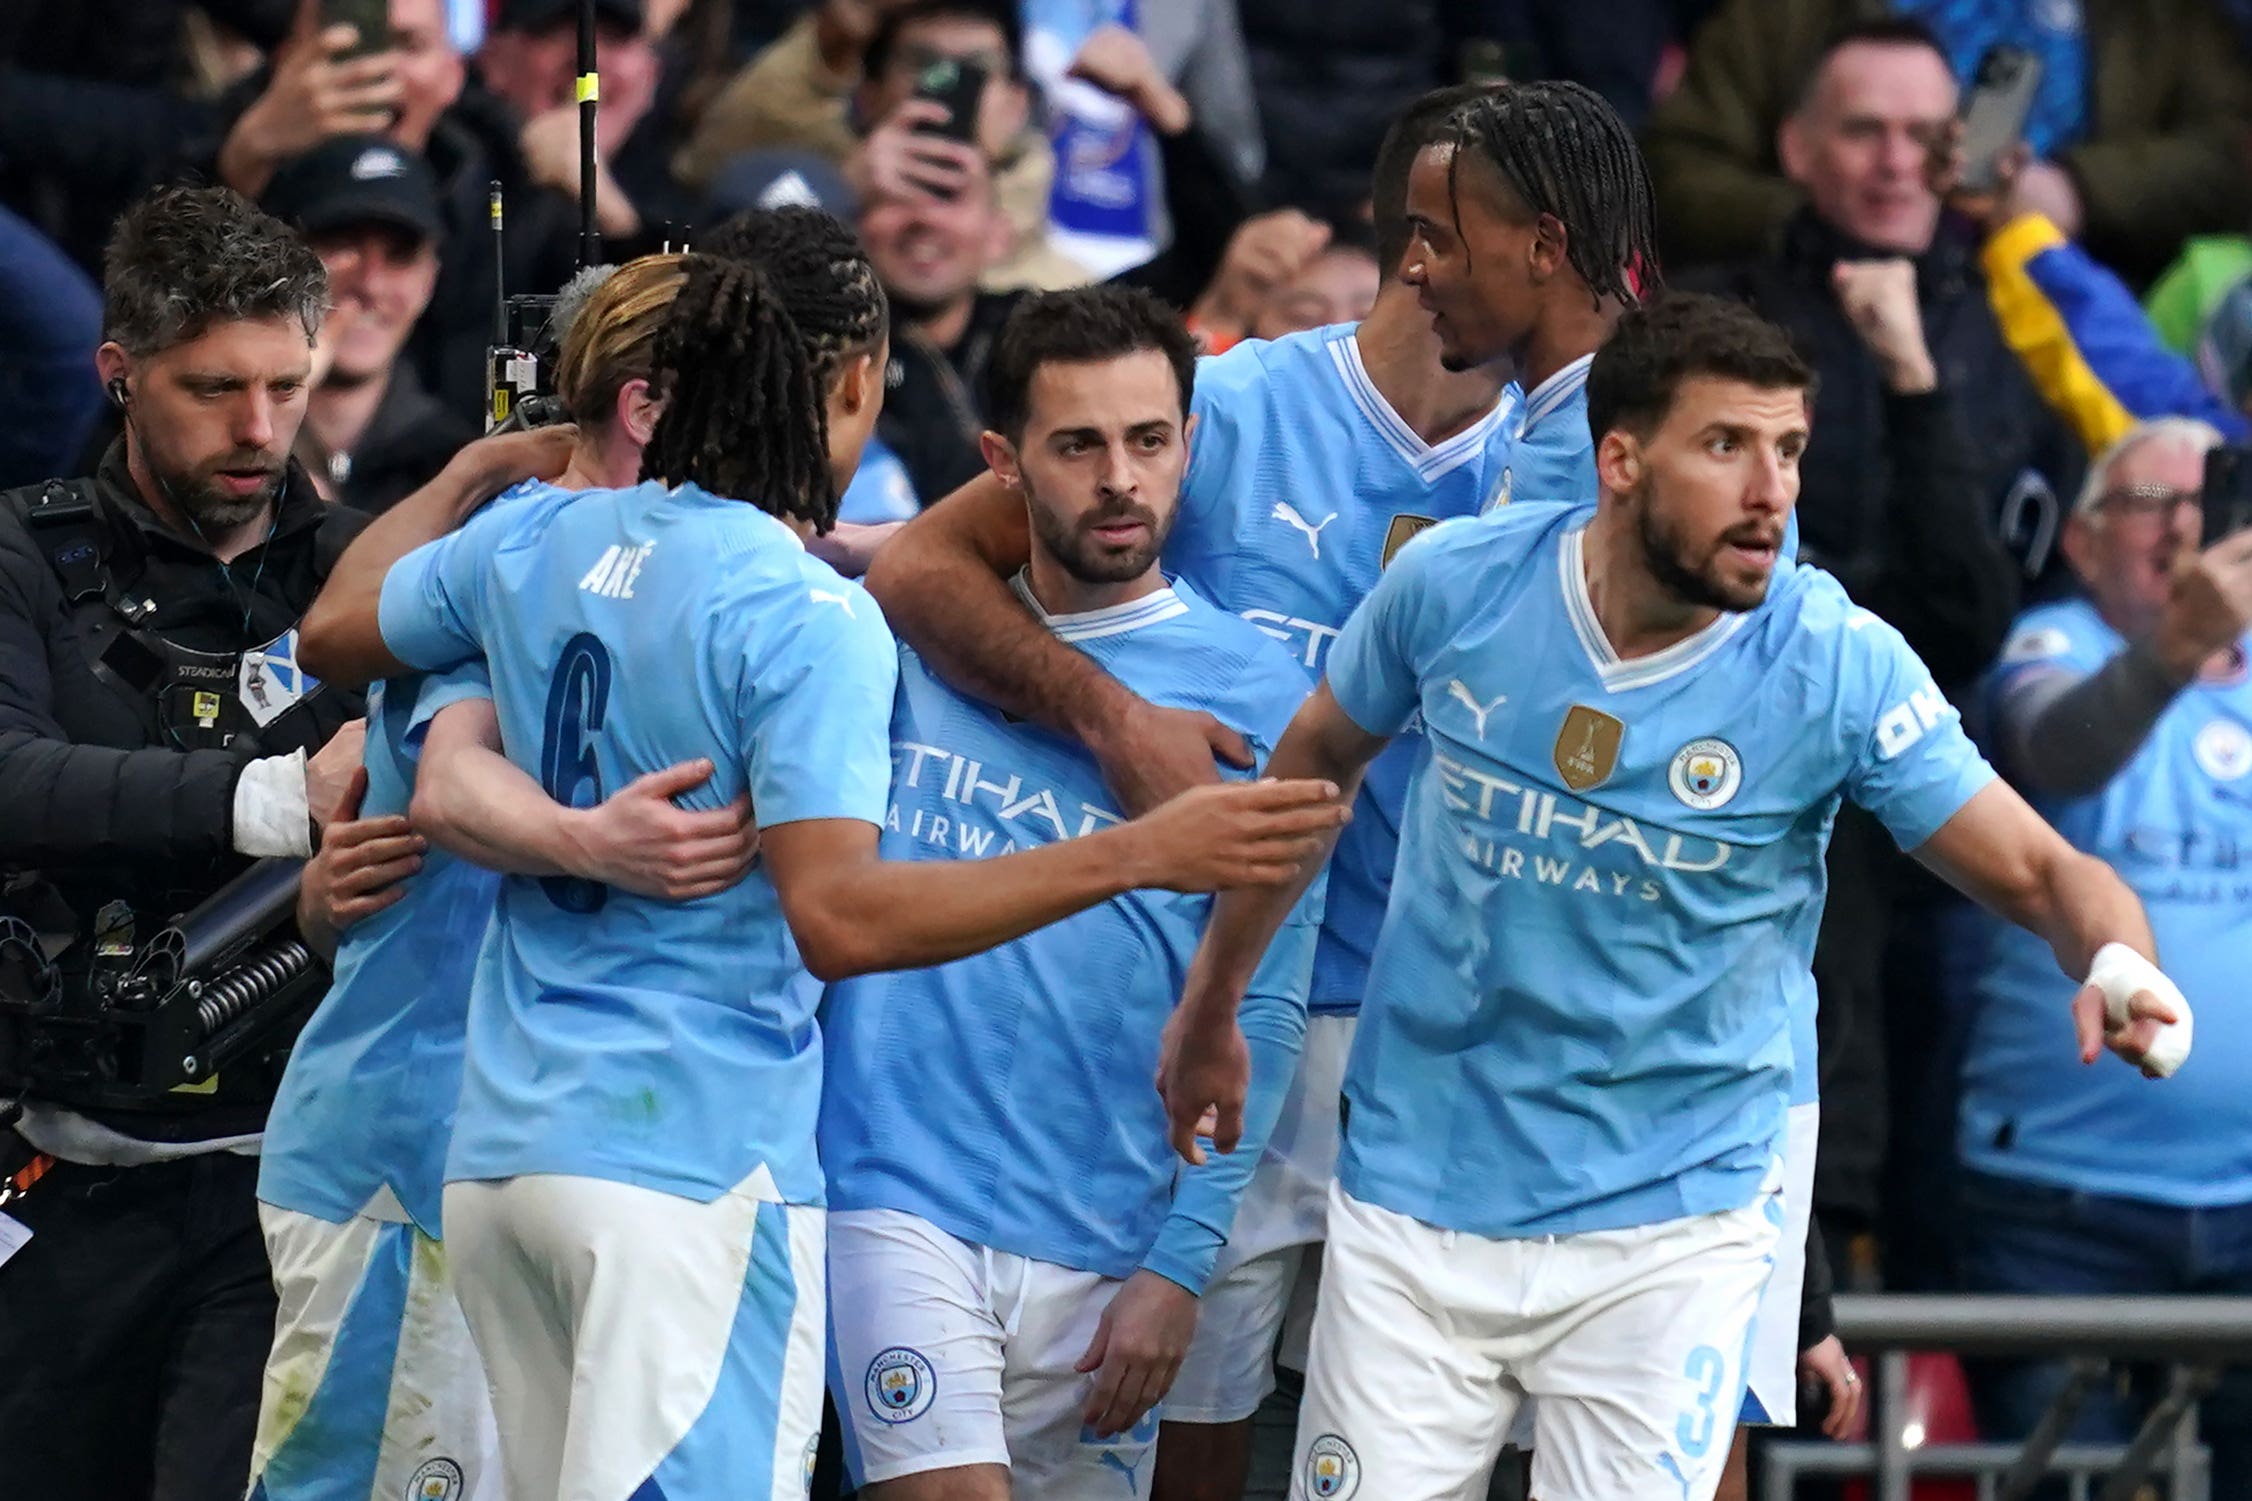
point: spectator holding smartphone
(2125, 716)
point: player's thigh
(1230, 1367)
(916, 1350)
(438, 1426)
(1771, 1375)
(1639, 1389)
(1735, 1475)
(1052, 1313)
(1399, 1406)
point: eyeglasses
(2145, 502)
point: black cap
(539, 15)
(356, 180)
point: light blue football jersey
(1580, 1011)
(1006, 1097)
(1301, 481)
(1551, 457)
(368, 1096)
(666, 1044)
(2176, 823)
(880, 490)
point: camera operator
(155, 736)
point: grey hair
(572, 301)
(184, 259)
(2193, 433)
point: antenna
(590, 95)
(494, 207)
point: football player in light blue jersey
(1567, 1095)
(374, 1383)
(1013, 1271)
(633, 1194)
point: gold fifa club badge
(1587, 747)
(1402, 531)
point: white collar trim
(1427, 460)
(1616, 674)
(1545, 398)
(1111, 620)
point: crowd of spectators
(2016, 388)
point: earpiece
(118, 396)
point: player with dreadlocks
(633, 1195)
(1531, 232)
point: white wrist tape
(2121, 973)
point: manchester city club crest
(2223, 749)
(1705, 774)
(1333, 1470)
(435, 1480)
(900, 1385)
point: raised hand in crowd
(1879, 298)
(1118, 62)
(318, 90)
(550, 143)
(2208, 605)
(904, 158)
(1265, 252)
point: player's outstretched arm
(853, 913)
(473, 801)
(942, 582)
(1204, 1063)
(2001, 853)
(341, 638)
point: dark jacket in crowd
(409, 439)
(1329, 76)
(934, 399)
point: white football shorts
(947, 1354)
(1633, 1341)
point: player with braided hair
(1531, 232)
(816, 262)
(633, 1196)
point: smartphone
(372, 19)
(958, 87)
(1995, 114)
(2227, 497)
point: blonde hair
(613, 340)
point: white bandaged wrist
(2121, 973)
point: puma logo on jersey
(1287, 514)
(831, 597)
(1460, 692)
(613, 573)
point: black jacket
(409, 439)
(1902, 497)
(91, 793)
(935, 399)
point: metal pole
(1892, 1417)
(590, 94)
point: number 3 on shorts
(1694, 1430)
